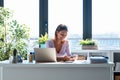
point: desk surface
(82, 63)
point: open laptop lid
(45, 54)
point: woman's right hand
(65, 58)
(68, 58)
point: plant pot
(89, 47)
(42, 46)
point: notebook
(45, 54)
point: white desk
(56, 71)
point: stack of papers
(98, 60)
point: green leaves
(5, 14)
(20, 34)
(19, 31)
(12, 35)
(43, 38)
(88, 42)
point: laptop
(45, 54)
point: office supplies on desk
(99, 59)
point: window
(105, 23)
(26, 12)
(67, 12)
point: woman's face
(61, 35)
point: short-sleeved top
(65, 51)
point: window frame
(87, 18)
(43, 17)
(1, 3)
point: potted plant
(20, 37)
(42, 40)
(88, 44)
(12, 35)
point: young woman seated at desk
(60, 44)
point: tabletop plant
(41, 40)
(12, 35)
(88, 42)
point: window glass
(68, 12)
(26, 12)
(105, 23)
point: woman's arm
(68, 51)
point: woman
(61, 45)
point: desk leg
(1, 73)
